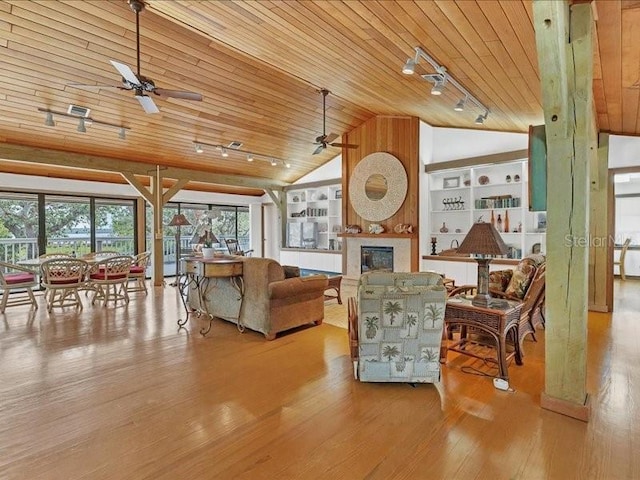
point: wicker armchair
(63, 277)
(138, 273)
(109, 278)
(15, 277)
(234, 248)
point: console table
(498, 322)
(202, 274)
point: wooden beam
(135, 183)
(599, 266)
(566, 72)
(493, 158)
(171, 191)
(280, 201)
(158, 229)
(552, 41)
(106, 164)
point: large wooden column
(600, 285)
(566, 71)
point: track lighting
(438, 87)
(460, 105)
(481, 118)
(48, 121)
(231, 149)
(83, 121)
(442, 78)
(410, 67)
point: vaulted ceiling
(260, 64)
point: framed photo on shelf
(541, 221)
(338, 194)
(451, 182)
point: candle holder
(434, 240)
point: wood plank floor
(120, 393)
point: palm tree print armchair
(395, 327)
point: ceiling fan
(324, 140)
(140, 84)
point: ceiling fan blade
(344, 145)
(94, 88)
(147, 103)
(331, 137)
(197, 97)
(321, 147)
(126, 72)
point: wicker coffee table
(497, 323)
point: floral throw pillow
(499, 279)
(522, 276)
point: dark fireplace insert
(376, 259)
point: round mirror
(375, 187)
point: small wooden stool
(334, 284)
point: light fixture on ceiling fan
(441, 79)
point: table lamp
(178, 220)
(484, 242)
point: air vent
(433, 77)
(235, 145)
(78, 111)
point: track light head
(49, 120)
(287, 165)
(273, 162)
(438, 88)
(199, 148)
(224, 152)
(122, 135)
(460, 105)
(409, 67)
(81, 126)
(481, 118)
(249, 157)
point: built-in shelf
(380, 235)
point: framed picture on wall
(451, 182)
(338, 194)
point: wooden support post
(566, 71)
(280, 200)
(158, 229)
(600, 288)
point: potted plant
(208, 240)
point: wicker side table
(497, 323)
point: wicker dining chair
(234, 248)
(108, 278)
(16, 277)
(138, 273)
(63, 278)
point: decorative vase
(444, 228)
(499, 224)
(208, 252)
(493, 219)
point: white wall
(456, 143)
(624, 151)
(329, 171)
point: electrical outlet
(501, 384)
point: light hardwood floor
(120, 393)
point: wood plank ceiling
(259, 66)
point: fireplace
(374, 258)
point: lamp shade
(179, 220)
(206, 238)
(483, 239)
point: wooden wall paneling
(398, 136)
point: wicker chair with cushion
(15, 277)
(395, 327)
(63, 277)
(138, 273)
(234, 248)
(109, 278)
